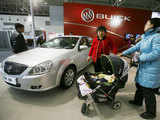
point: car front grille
(12, 68)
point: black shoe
(132, 102)
(146, 115)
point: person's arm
(155, 53)
(132, 49)
(24, 42)
(13, 40)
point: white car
(55, 63)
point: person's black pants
(148, 95)
(97, 65)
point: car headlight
(41, 68)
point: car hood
(36, 56)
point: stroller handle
(132, 63)
(127, 56)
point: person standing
(101, 45)
(147, 77)
(17, 39)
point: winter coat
(101, 47)
(148, 73)
(18, 42)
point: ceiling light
(29, 19)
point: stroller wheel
(85, 109)
(116, 105)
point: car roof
(71, 36)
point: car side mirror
(83, 47)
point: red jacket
(101, 47)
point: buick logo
(87, 15)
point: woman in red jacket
(101, 45)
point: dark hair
(18, 25)
(155, 22)
(101, 28)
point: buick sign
(87, 15)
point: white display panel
(155, 15)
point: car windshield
(61, 42)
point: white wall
(9, 19)
(56, 20)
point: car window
(85, 41)
(61, 42)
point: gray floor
(58, 104)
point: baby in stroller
(103, 78)
(103, 86)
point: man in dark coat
(17, 39)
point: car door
(84, 47)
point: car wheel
(68, 77)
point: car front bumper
(30, 83)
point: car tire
(68, 78)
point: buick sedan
(55, 63)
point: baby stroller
(103, 86)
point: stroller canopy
(111, 64)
